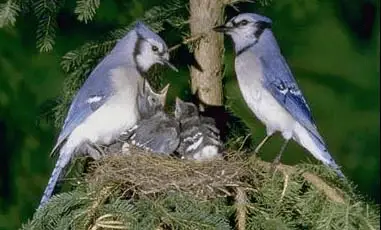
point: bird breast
(260, 101)
(119, 112)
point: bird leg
(277, 158)
(267, 137)
(94, 151)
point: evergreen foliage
(86, 9)
(8, 13)
(286, 199)
(152, 192)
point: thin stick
(186, 41)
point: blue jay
(156, 131)
(106, 104)
(269, 88)
(199, 137)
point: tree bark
(207, 79)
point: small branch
(102, 196)
(231, 2)
(285, 184)
(331, 192)
(244, 141)
(187, 41)
(240, 203)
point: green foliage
(8, 13)
(273, 200)
(46, 11)
(86, 9)
(353, 141)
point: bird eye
(243, 22)
(155, 48)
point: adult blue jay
(156, 132)
(106, 104)
(269, 88)
(199, 137)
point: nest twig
(152, 174)
(147, 174)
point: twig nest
(149, 174)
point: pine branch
(8, 13)
(46, 33)
(46, 11)
(117, 197)
(86, 9)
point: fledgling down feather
(156, 132)
(199, 137)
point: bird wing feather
(96, 90)
(279, 81)
(159, 133)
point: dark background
(331, 46)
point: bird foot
(275, 163)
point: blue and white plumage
(269, 88)
(106, 104)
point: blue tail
(62, 161)
(318, 149)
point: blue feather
(283, 87)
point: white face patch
(94, 99)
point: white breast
(260, 101)
(118, 114)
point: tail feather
(316, 148)
(63, 160)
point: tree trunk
(207, 81)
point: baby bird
(156, 132)
(199, 137)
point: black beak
(165, 61)
(170, 65)
(221, 29)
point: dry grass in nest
(142, 173)
(149, 174)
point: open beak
(178, 102)
(163, 95)
(221, 29)
(165, 89)
(165, 60)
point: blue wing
(283, 87)
(92, 95)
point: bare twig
(331, 192)
(285, 184)
(241, 211)
(244, 141)
(187, 41)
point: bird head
(150, 49)
(150, 102)
(185, 109)
(245, 28)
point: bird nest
(140, 189)
(142, 173)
